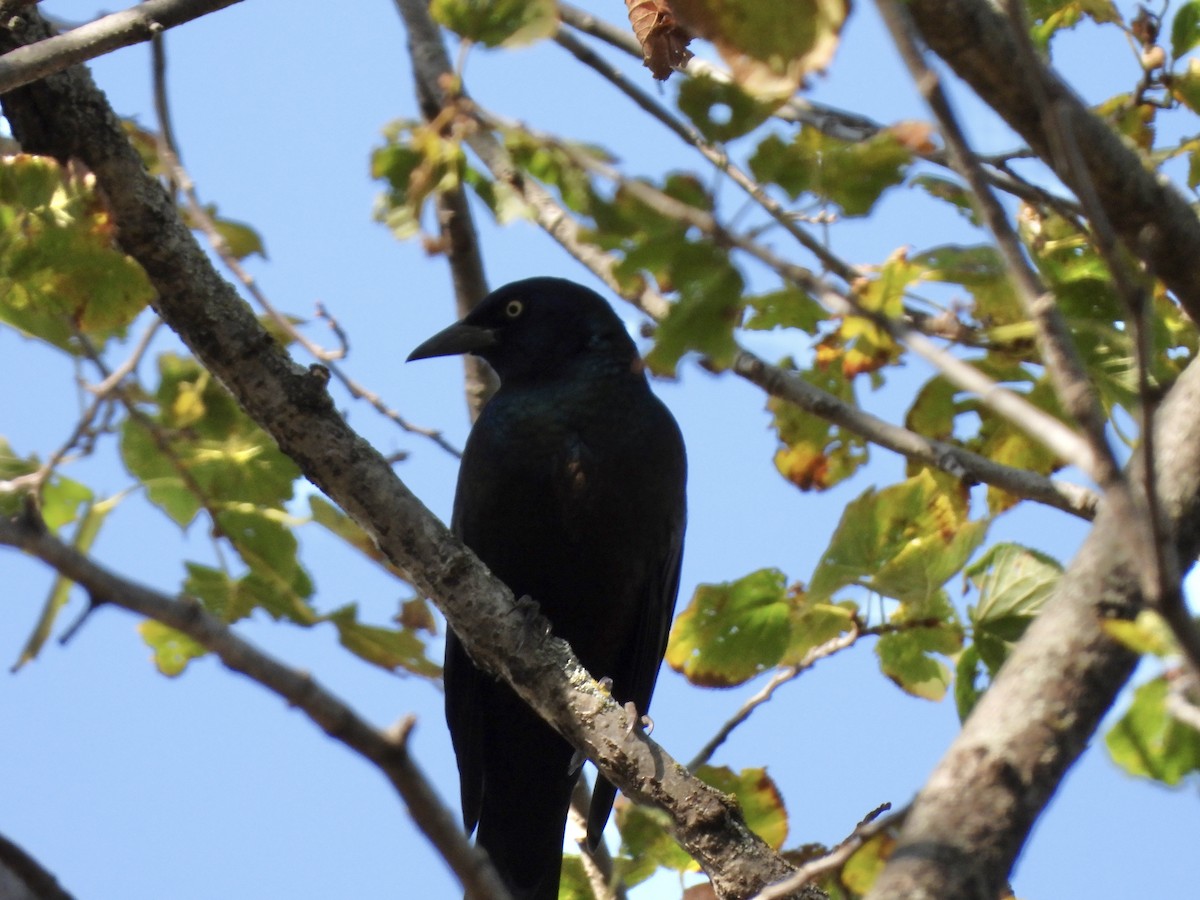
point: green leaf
(721, 110)
(982, 272)
(786, 308)
(864, 866)
(906, 658)
(1151, 743)
(814, 624)
(1148, 633)
(1048, 17)
(706, 313)
(173, 650)
(966, 681)
(950, 191)
(12, 467)
(767, 53)
(646, 844)
(220, 594)
(61, 501)
(814, 453)
(275, 580)
(851, 174)
(498, 23)
(904, 541)
(388, 648)
(731, 632)
(1014, 583)
(201, 449)
(1185, 29)
(60, 272)
(574, 883)
(758, 797)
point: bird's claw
(530, 614)
(635, 719)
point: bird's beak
(458, 338)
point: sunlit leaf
(60, 271)
(816, 454)
(173, 650)
(731, 632)
(867, 862)
(388, 648)
(768, 54)
(904, 541)
(496, 23)
(907, 658)
(1147, 633)
(1013, 584)
(1149, 742)
(200, 448)
(758, 797)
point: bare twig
(387, 751)
(778, 680)
(836, 858)
(598, 863)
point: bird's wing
(657, 610)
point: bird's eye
(514, 308)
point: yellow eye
(514, 308)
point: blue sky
(130, 785)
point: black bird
(571, 490)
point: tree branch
(65, 116)
(26, 64)
(387, 751)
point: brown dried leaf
(664, 41)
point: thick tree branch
(387, 751)
(66, 117)
(24, 878)
(54, 53)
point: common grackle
(571, 490)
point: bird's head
(537, 329)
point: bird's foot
(578, 758)
(530, 614)
(635, 719)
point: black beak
(458, 338)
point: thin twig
(836, 858)
(778, 680)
